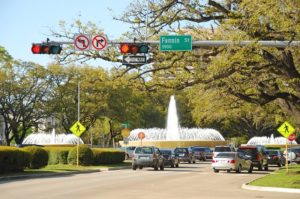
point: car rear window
(226, 155)
(222, 149)
(198, 149)
(248, 151)
(180, 150)
(272, 152)
(144, 150)
(165, 152)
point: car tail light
(258, 157)
(231, 161)
(275, 157)
(213, 161)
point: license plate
(182, 154)
(144, 158)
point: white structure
(269, 140)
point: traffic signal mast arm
(55, 47)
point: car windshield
(226, 155)
(222, 149)
(144, 150)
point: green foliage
(39, 157)
(58, 155)
(13, 159)
(85, 155)
(107, 156)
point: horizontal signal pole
(205, 43)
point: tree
(23, 93)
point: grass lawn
(280, 178)
(63, 168)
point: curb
(43, 175)
(271, 189)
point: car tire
(279, 164)
(228, 171)
(172, 165)
(162, 167)
(140, 167)
(194, 162)
(134, 167)
(266, 167)
(239, 169)
(177, 165)
(216, 170)
(260, 167)
(156, 167)
(189, 162)
(250, 169)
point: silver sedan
(231, 161)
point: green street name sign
(175, 43)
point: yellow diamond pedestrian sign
(77, 129)
(286, 129)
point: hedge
(85, 155)
(58, 155)
(39, 157)
(13, 159)
(108, 156)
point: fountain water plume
(46, 138)
(264, 140)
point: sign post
(286, 129)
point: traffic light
(46, 48)
(133, 48)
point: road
(189, 181)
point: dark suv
(258, 155)
(184, 155)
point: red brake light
(258, 157)
(231, 161)
(213, 161)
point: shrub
(85, 155)
(58, 155)
(13, 159)
(108, 156)
(39, 157)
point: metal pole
(146, 33)
(78, 117)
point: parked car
(184, 155)
(231, 161)
(170, 158)
(219, 149)
(128, 151)
(275, 157)
(258, 155)
(293, 155)
(202, 153)
(147, 156)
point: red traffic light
(133, 48)
(46, 48)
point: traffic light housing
(43, 48)
(134, 48)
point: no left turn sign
(82, 42)
(99, 42)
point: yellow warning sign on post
(286, 129)
(77, 129)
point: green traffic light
(55, 49)
(144, 48)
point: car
(202, 153)
(147, 156)
(258, 155)
(231, 161)
(275, 157)
(184, 155)
(219, 149)
(170, 158)
(293, 155)
(128, 151)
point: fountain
(174, 135)
(49, 139)
(270, 141)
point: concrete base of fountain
(174, 144)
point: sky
(24, 22)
